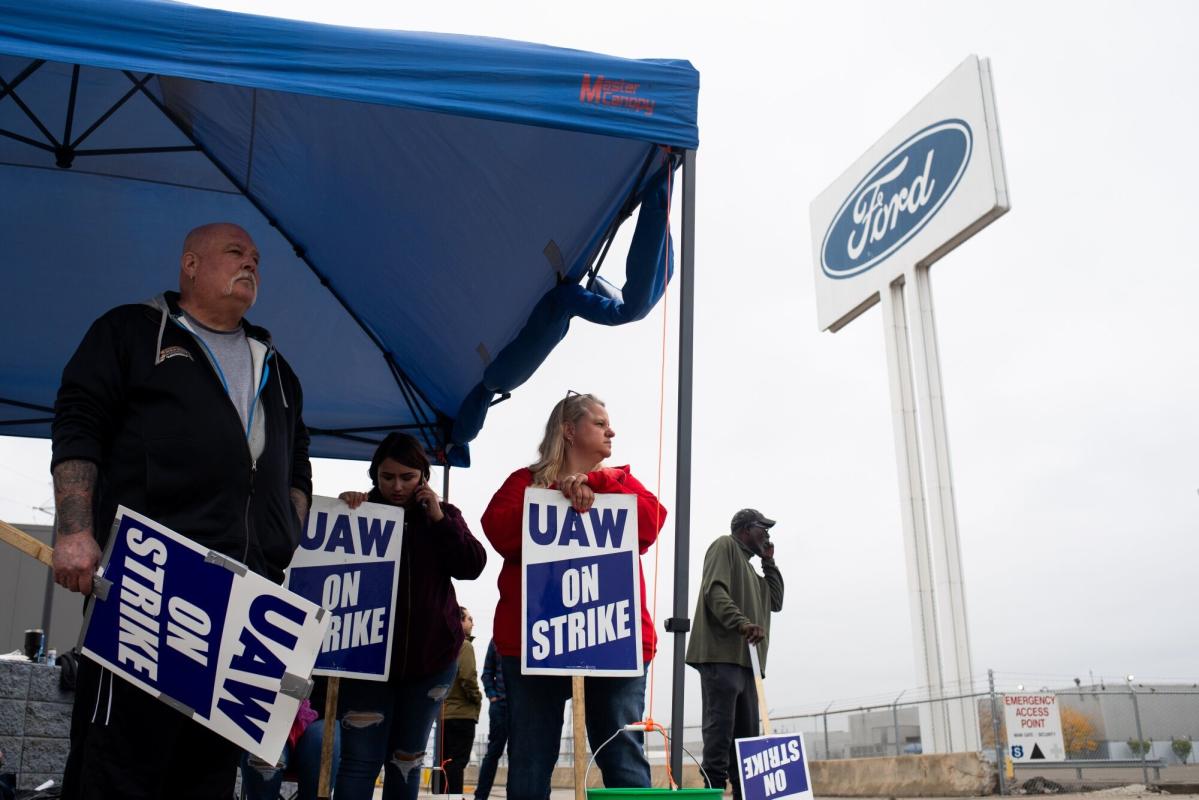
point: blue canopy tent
(432, 210)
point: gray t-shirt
(232, 352)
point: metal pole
(682, 515)
(895, 721)
(436, 776)
(826, 748)
(995, 730)
(1136, 712)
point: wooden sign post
(26, 544)
(324, 790)
(578, 708)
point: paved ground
(1131, 792)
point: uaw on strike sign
(200, 632)
(1034, 727)
(581, 593)
(348, 562)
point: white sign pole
(942, 520)
(926, 643)
(931, 182)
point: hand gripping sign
(773, 767)
(348, 563)
(197, 630)
(581, 593)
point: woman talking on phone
(386, 723)
(578, 438)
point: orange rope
(651, 726)
(649, 720)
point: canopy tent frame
(66, 151)
(539, 88)
(429, 420)
(4, 401)
(413, 396)
(680, 623)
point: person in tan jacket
(461, 711)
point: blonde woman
(578, 439)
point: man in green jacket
(731, 616)
(461, 710)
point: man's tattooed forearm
(74, 486)
(300, 501)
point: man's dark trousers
(730, 711)
(497, 739)
(457, 744)
(128, 745)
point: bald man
(180, 409)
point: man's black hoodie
(142, 399)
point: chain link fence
(1129, 731)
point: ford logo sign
(896, 199)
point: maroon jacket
(428, 629)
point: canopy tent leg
(680, 624)
(437, 774)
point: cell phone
(423, 503)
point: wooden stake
(578, 708)
(763, 712)
(760, 686)
(324, 790)
(26, 544)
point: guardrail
(1079, 764)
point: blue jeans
(262, 781)
(386, 725)
(497, 738)
(538, 708)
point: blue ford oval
(896, 199)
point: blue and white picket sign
(196, 629)
(581, 593)
(773, 767)
(348, 562)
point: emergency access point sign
(1034, 727)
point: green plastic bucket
(654, 794)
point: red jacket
(502, 522)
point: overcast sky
(1068, 335)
